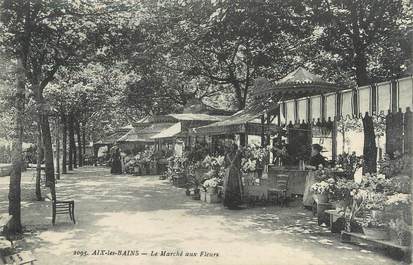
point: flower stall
(141, 163)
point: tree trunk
(64, 143)
(238, 94)
(95, 155)
(39, 162)
(72, 146)
(57, 148)
(83, 140)
(360, 62)
(17, 154)
(48, 149)
(79, 143)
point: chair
(278, 194)
(62, 206)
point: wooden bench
(6, 246)
(62, 205)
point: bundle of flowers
(254, 157)
(248, 165)
(213, 161)
(212, 183)
(323, 187)
(398, 199)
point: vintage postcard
(224, 132)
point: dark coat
(317, 160)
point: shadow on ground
(122, 212)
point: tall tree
(364, 38)
(231, 43)
(50, 34)
(17, 154)
(64, 143)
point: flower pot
(320, 198)
(187, 192)
(376, 233)
(212, 197)
(212, 190)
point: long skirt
(232, 189)
(116, 167)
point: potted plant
(322, 190)
(211, 188)
(194, 183)
(341, 194)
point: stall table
(259, 188)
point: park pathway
(130, 214)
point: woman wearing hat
(315, 161)
(316, 158)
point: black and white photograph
(209, 132)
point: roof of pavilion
(244, 121)
(111, 138)
(176, 117)
(298, 83)
(145, 134)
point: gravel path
(143, 220)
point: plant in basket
(322, 190)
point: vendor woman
(316, 158)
